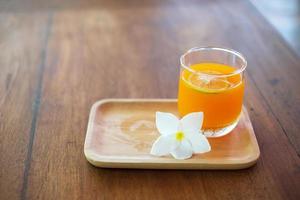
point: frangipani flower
(180, 138)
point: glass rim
(228, 50)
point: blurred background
(284, 15)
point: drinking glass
(212, 81)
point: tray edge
(94, 159)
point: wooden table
(58, 57)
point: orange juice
(214, 90)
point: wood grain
(130, 49)
(22, 39)
(113, 53)
(121, 132)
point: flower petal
(192, 122)
(183, 151)
(164, 145)
(166, 123)
(199, 142)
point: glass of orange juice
(212, 81)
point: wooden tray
(121, 132)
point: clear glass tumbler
(212, 81)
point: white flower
(182, 137)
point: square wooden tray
(121, 132)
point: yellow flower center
(179, 136)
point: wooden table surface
(58, 57)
